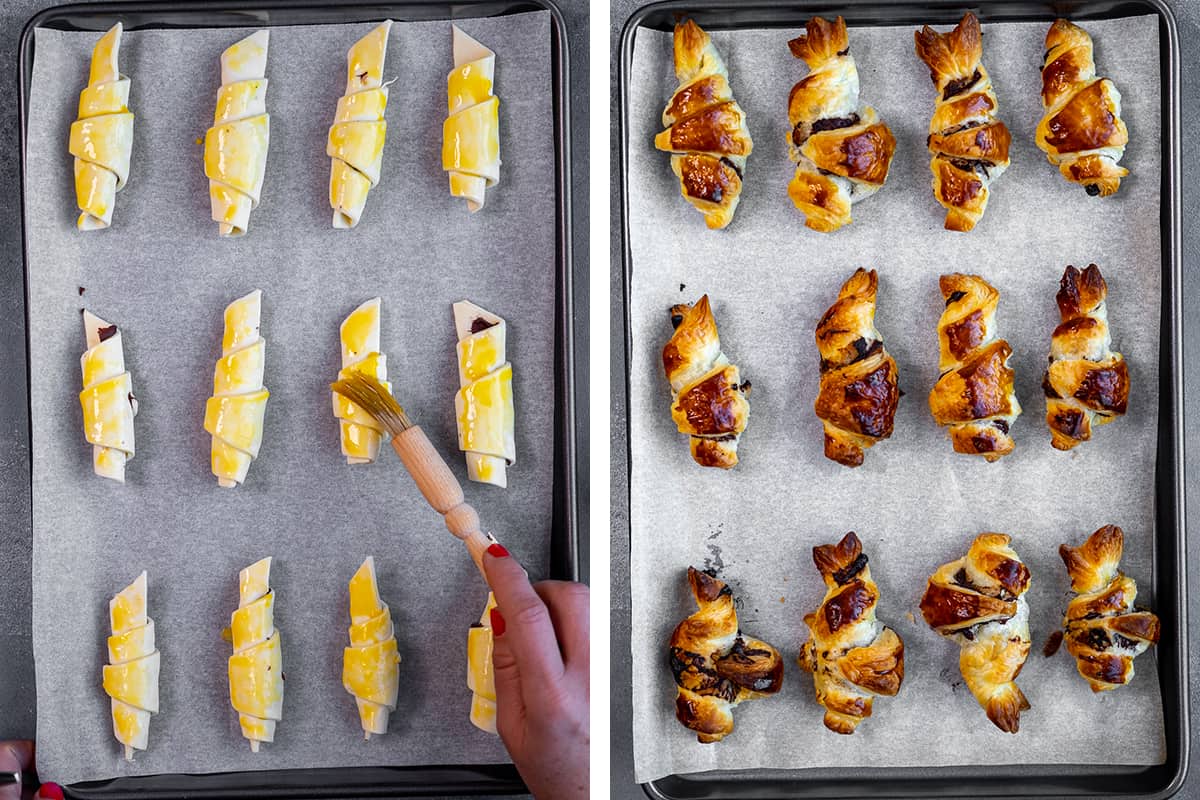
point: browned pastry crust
(968, 144)
(979, 602)
(705, 128)
(842, 151)
(858, 394)
(974, 396)
(1102, 629)
(1086, 383)
(851, 655)
(1082, 132)
(714, 665)
(708, 397)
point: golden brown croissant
(974, 395)
(858, 395)
(979, 602)
(708, 398)
(851, 655)
(706, 128)
(1086, 383)
(1103, 631)
(715, 666)
(842, 151)
(968, 144)
(1082, 132)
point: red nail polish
(51, 790)
(498, 550)
(497, 619)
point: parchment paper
(164, 276)
(915, 503)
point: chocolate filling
(481, 324)
(107, 333)
(957, 87)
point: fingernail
(497, 622)
(50, 791)
(498, 550)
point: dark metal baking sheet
(461, 779)
(1170, 576)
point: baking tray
(1170, 578)
(457, 779)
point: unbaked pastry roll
(357, 135)
(1082, 132)
(484, 403)
(979, 602)
(371, 664)
(360, 432)
(235, 147)
(1086, 382)
(102, 136)
(256, 666)
(471, 132)
(852, 656)
(131, 675)
(481, 674)
(107, 398)
(234, 414)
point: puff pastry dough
(974, 397)
(969, 145)
(359, 129)
(371, 664)
(1086, 382)
(235, 147)
(256, 666)
(706, 131)
(842, 150)
(102, 136)
(1082, 132)
(360, 432)
(715, 666)
(859, 391)
(471, 132)
(979, 602)
(481, 675)
(1104, 631)
(484, 403)
(852, 656)
(234, 414)
(131, 675)
(107, 398)
(708, 398)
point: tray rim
(1171, 436)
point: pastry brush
(428, 469)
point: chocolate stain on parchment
(713, 561)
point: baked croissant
(1103, 631)
(858, 395)
(359, 129)
(360, 432)
(708, 398)
(371, 664)
(471, 132)
(235, 147)
(107, 398)
(131, 675)
(841, 149)
(968, 145)
(102, 136)
(234, 414)
(1082, 132)
(851, 655)
(974, 395)
(1086, 383)
(706, 131)
(714, 665)
(484, 403)
(978, 601)
(481, 675)
(256, 666)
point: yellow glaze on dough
(484, 404)
(256, 666)
(471, 132)
(481, 678)
(371, 665)
(102, 137)
(107, 398)
(356, 138)
(233, 416)
(130, 678)
(360, 432)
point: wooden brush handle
(441, 490)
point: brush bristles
(369, 395)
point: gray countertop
(1187, 14)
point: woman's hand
(17, 757)
(540, 659)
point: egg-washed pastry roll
(107, 398)
(471, 134)
(131, 676)
(371, 664)
(234, 414)
(235, 147)
(481, 675)
(484, 403)
(358, 131)
(256, 666)
(360, 432)
(102, 136)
